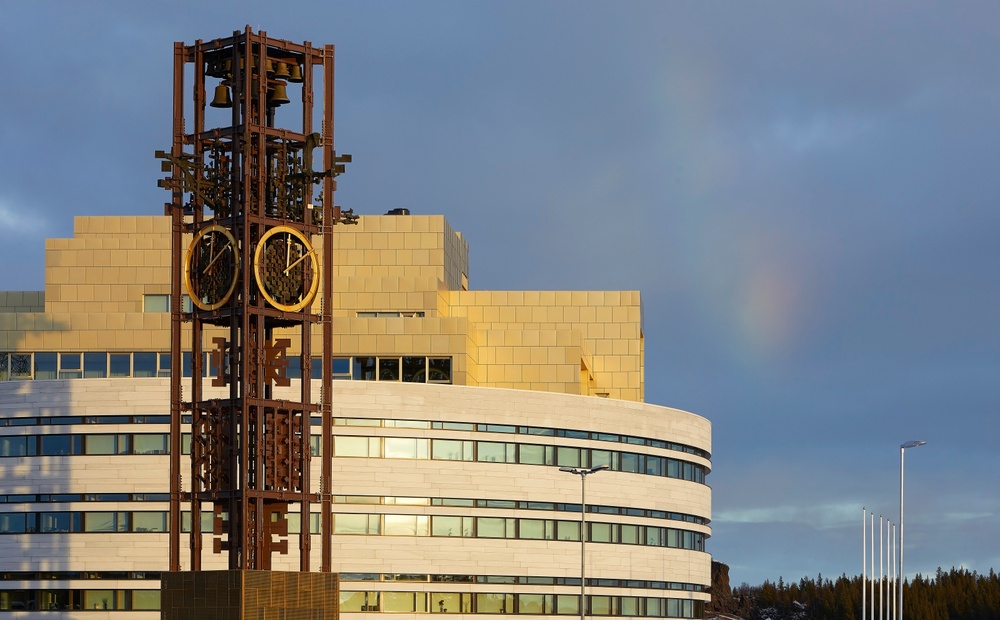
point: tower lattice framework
(247, 208)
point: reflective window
(452, 450)
(45, 366)
(95, 365)
(406, 448)
(490, 603)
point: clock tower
(252, 178)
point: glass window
(358, 601)
(164, 367)
(407, 423)
(414, 370)
(20, 365)
(602, 532)
(393, 602)
(632, 462)
(156, 303)
(99, 522)
(406, 448)
(144, 364)
(356, 446)
(630, 534)
(673, 538)
(490, 603)
(530, 454)
(341, 367)
(494, 452)
(100, 444)
(388, 369)
(451, 526)
(688, 471)
(654, 536)
(364, 368)
(567, 530)
(56, 445)
(535, 529)
(673, 468)
(95, 365)
(294, 369)
(3, 366)
(145, 599)
(15, 446)
(537, 604)
(99, 599)
(407, 525)
(604, 457)
(603, 605)
(13, 522)
(45, 365)
(494, 527)
(656, 465)
(439, 370)
(70, 366)
(149, 521)
(53, 522)
(452, 450)
(355, 524)
(121, 365)
(654, 607)
(149, 444)
(567, 457)
(450, 603)
(568, 604)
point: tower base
(249, 595)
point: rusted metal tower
(247, 206)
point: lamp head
(912, 444)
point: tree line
(957, 594)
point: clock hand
(217, 257)
(300, 259)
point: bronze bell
(281, 70)
(295, 74)
(278, 96)
(222, 98)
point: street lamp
(583, 473)
(902, 575)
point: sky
(804, 192)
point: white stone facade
(458, 505)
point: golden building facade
(454, 410)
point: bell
(281, 71)
(295, 74)
(222, 98)
(278, 96)
(269, 67)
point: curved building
(455, 412)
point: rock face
(722, 593)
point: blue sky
(804, 193)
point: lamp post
(902, 575)
(583, 473)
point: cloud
(17, 222)
(819, 516)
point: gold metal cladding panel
(249, 595)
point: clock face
(286, 268)
(211, 267)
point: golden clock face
(286, 268)
(211, 267)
